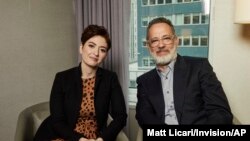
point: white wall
(229, 55)
(37, 39)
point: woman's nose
(96, 51)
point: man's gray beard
(163, 60)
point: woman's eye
(91, 46)
(103, 50)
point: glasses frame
(166, 40)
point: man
(180, 90)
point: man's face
(162, 43)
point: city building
(190, 19)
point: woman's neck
(87, 71)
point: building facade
(190, 21)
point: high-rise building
(189, 18)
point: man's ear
(176, 41)
(147, 44)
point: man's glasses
(166, 40)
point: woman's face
(94, 51)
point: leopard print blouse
(86, 123)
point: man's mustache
(162, 50)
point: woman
(82, 97)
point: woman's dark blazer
(65, 104)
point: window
(191, 25)
(180, 41)
(145, 22)
(148, 62)
(160, 1)
(204, 41)
(152, 62)
(195, 41)
(144, 2)
(204, 19)
(187, 19)
(186, 41)
(179, 19)
(132, 79)
(196, 18)
(168, 1)
(152, 2)
(145, 62)
(144, 43)
(132, 84)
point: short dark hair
(95, 30)
(160, 20)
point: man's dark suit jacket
(65, 104)
(198, 95)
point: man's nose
(161, 44)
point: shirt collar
(170, 66)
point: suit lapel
(97, 95)
(79, 89)
(156, 94)
(98, 80)
(179, 86)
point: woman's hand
(84, 139)
(99, 139)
